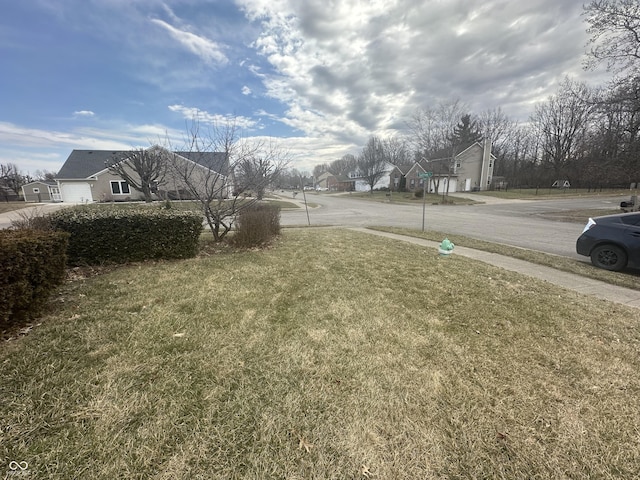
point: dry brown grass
(12, 206)
(334, 354)
(627, 278)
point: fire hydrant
(446, 247)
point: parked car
(612, 242)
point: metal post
(424, 199)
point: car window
(631, 219)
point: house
(41, 191)
(323, 181)
(354, 182)
(84, 177)
(470, 170)
(397, 177)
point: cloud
(83, 113)
(119, 136)
(206, 49)
(194, 113)
(365, 66)
(246, 90)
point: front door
(54, 192)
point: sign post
(425, 179)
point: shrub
(32, 264)
(418, 193)
(127, 235)
(256, 225)
(32, 219)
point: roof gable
(445, 153)
(404, 169)
(51, 183)
(82, 164)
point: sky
(321, 76)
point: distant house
(397, 177)
(470, 170)
(322, 182)
(351, 182)
(41, 191)
(84, 177)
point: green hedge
(32, 264)
(127, 235)
(256, 225)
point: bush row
(119, 236)
(256, 225)
(32, 264)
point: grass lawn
(627, 278)
(410, 198)
(332, 354)
(11, 206)
(546, 193)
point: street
(512, 222)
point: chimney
(486, 160)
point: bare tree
(614, 26)
(207, 166)
(343, 166)
(561, 123)
(396, 150)
(12, 177)
(372, 162)
(255, 171)
(143, 169)
(431, 128)
(44, 175)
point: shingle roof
(215, 161)
(86, 163)
(404, 169)
(446, 152)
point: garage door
(76, 192)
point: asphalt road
(512, 222)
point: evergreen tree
(466, 132)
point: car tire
(609, 257)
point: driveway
(36, 209)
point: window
(36, 190)
(120, 187)
(413, 182)
(458, 164)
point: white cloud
(83, 113)
(194, 113)
(204, 48)
(246, 90)
(360, 68)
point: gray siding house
(41, 191)
(471, 169)
(85, 178)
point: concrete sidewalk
(570, 281)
